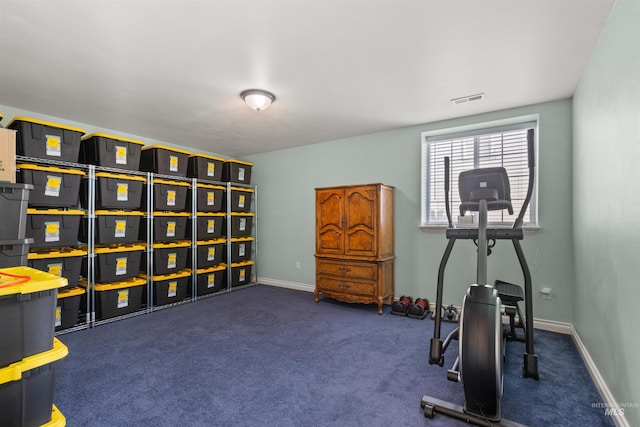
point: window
(497, 145)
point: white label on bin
(52, 188)
(171, 198)
(123, 298)
(211, 253)
(243, 224)
(211, 280)
(172, 258)
(210, 198)
(52, 231)
(55, 269)
(211, 169)
(242, 275)
(211, 225)
(173, 289)
(173, 163)
(121, 155)
(171, 229)
(121, 266)
(54, 148)
(122, 192)
(121, 228)
(58, 316)
(241, 201)
(241, 249)
(241, 174)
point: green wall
(606, 192)
(286, 180)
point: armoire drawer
(346, 286)
(347, 269)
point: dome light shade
(258, 99)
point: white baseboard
(284, 284)
(609, 401)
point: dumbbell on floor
(401, 306)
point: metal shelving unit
(90, 320)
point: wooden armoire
(354, 243)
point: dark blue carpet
(266, 356)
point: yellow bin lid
(210, 214)
(211, 242)
(129, 283)
(249, 190)
(238, 161)
(127, 247)
(159, 213)
(32, 211)
(120, 176)
(42, 122)
(242, 214)
(56, 253)
(119, 213)
(242, 264)
(241, 239)
(215, 187)
(182, 273)
(162, 147)
(14, 371)
(170, 182)
(213, 269)
(205, 156)
(73, 292)
(52, 169)
(25, 280)
(178, 244)
(119, 138)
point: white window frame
(439, 135)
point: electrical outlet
(546, 293)
(298, 265)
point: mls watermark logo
(616, 409)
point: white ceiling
(172, 70)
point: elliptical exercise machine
(480, 331)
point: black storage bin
(46, 140)
(27, 389)
(111, 151)
(53, 228)
(118, 299)
(209, 253)
(167, 226)
(241, 199)
(241, 249)
(169, 257)
(204, 167)
(164, 160)
(27, 312)
(14, 199)
(241, 273)
(13, 253)
(241, 223)
(115, 191)
(212, 279)
(68, 307)
(209, 225)
(237, 171)
(65, 262)
(116, 262)
(169, 195)
(170, 288)
(52, 186)
(209, 198)
(113, 227)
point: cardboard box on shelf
(8, 155)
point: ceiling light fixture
(257, 99)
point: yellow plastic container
(26, 389)
(27, 312)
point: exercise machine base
(433, 405)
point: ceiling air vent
(468, 98)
